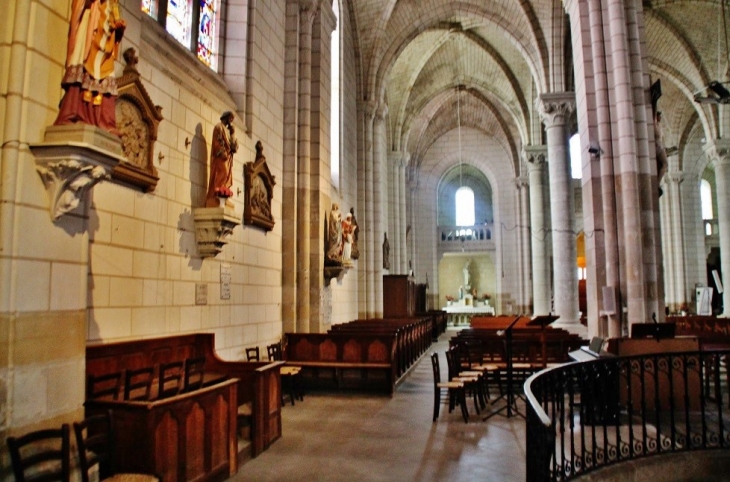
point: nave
(358, 437)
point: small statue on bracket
(223, 147)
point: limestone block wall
(125, 264)
(344, 294)
(144, 264)
(490, 157)
(43, 265)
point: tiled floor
(348, 437)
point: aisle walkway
(356, 437)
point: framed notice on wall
(225, 281)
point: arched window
(706, 199)
(464, 201)
(576, 169)
(195, 28)
(706, 203)
(335, 101)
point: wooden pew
(359, 361)
(413, 336)
(713, 333)
(233, 384)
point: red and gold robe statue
(95, 32)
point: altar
(460, 315)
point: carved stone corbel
(212, 228)
(73, 159)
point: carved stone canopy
(137, 122)
(259, 190)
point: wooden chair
(44, 455)
(169, 381)
(95, 441)
(194, 374)
(274, 352)
(104, 386)
(252, 354)
(473, 380)
(454, 392)
(138, 384)
(289, 375)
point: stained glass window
(179, 20)
(207, 33)
(193, 23)
(150, 8)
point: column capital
(309, 6)
(370, 108)
(555, 108)
(381, 111)
(718, 152)
(329, 20)
(522, 182)
(412, 181)
(535, 156)
(674, 177)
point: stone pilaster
(675, 256)
(308, 10)
(379, 161)
(555, 111)
(403, 221)
(535, 156)
(522, 183)
(367, 289)
(719, 154)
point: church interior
(215, 178)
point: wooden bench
(413, 336)
(189, 436)
(713, 333)
(355, 361)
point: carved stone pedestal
(212, 227)
(338, 272)
(73, 159)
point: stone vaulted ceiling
(485, 62)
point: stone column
(719, 155)
(379, 154)
(523, 187)
(555, 110)
(665, 210)
(370, 236)
(393, 208)
(308, 10)
(403, 221)
(673, 181)
(538, 230)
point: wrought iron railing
(589, 415)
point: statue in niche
(90, 89)
(259, 191)
(355, 254)
(221, 161)
(334, 237)
(465, 271)
(386, 252)
(347, 239)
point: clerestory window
(464, 201)
(193, 23)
